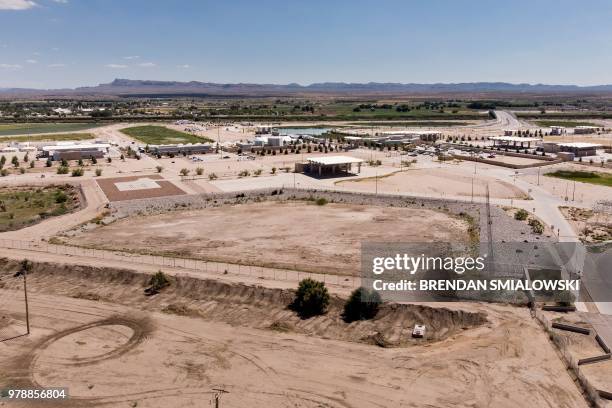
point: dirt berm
(241, 305)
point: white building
(584, 130)
(557, 130)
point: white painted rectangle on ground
(140, 184)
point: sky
(71, 43)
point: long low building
(75, 151)
(580, 149)
(331, 165)
(585, 130)
(180, 149)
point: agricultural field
(23, 206)
(591, 177)
(412, 123)
(37, 128)
(156, 135)
(565, 123)
(50, 137)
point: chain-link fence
(189, 264)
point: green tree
(361, 305)
(311, 298)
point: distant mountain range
(132, 87)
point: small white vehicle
(418, 331)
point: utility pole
(538, 176)
(25, 292)
(472, 189)
(25, 266)
(218, 393)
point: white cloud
(10, 66)
(16, 4)
(56, 65)
(32, 61)
(131, 57)
(184, 66)
(147, 64)
(116, 66)
(61, 1)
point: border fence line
(190, 264)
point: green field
(602, 179)
(416, 123)
(564, 123)
(54, 137)
(23, 206)
(37, 128)
(156, 135)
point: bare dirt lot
(95, 332)
(134, 187)
(435, 182)
(306, 236)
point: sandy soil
(437, 182)
(120, 351)
(304, 236)
(589, 225)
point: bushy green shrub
(77, 172)
(361, 305)
(536, 226)
(157, 283)
(311, 298)
(521, 215)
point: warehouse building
(580, 149)
(75, 151)
(196, 148)
(585, 130)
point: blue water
(302, 131)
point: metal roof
(580, 145)
(331, 160)
(516, 139)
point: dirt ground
(306, 236)
(436, 182)
(589, 225)
(95, 332)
